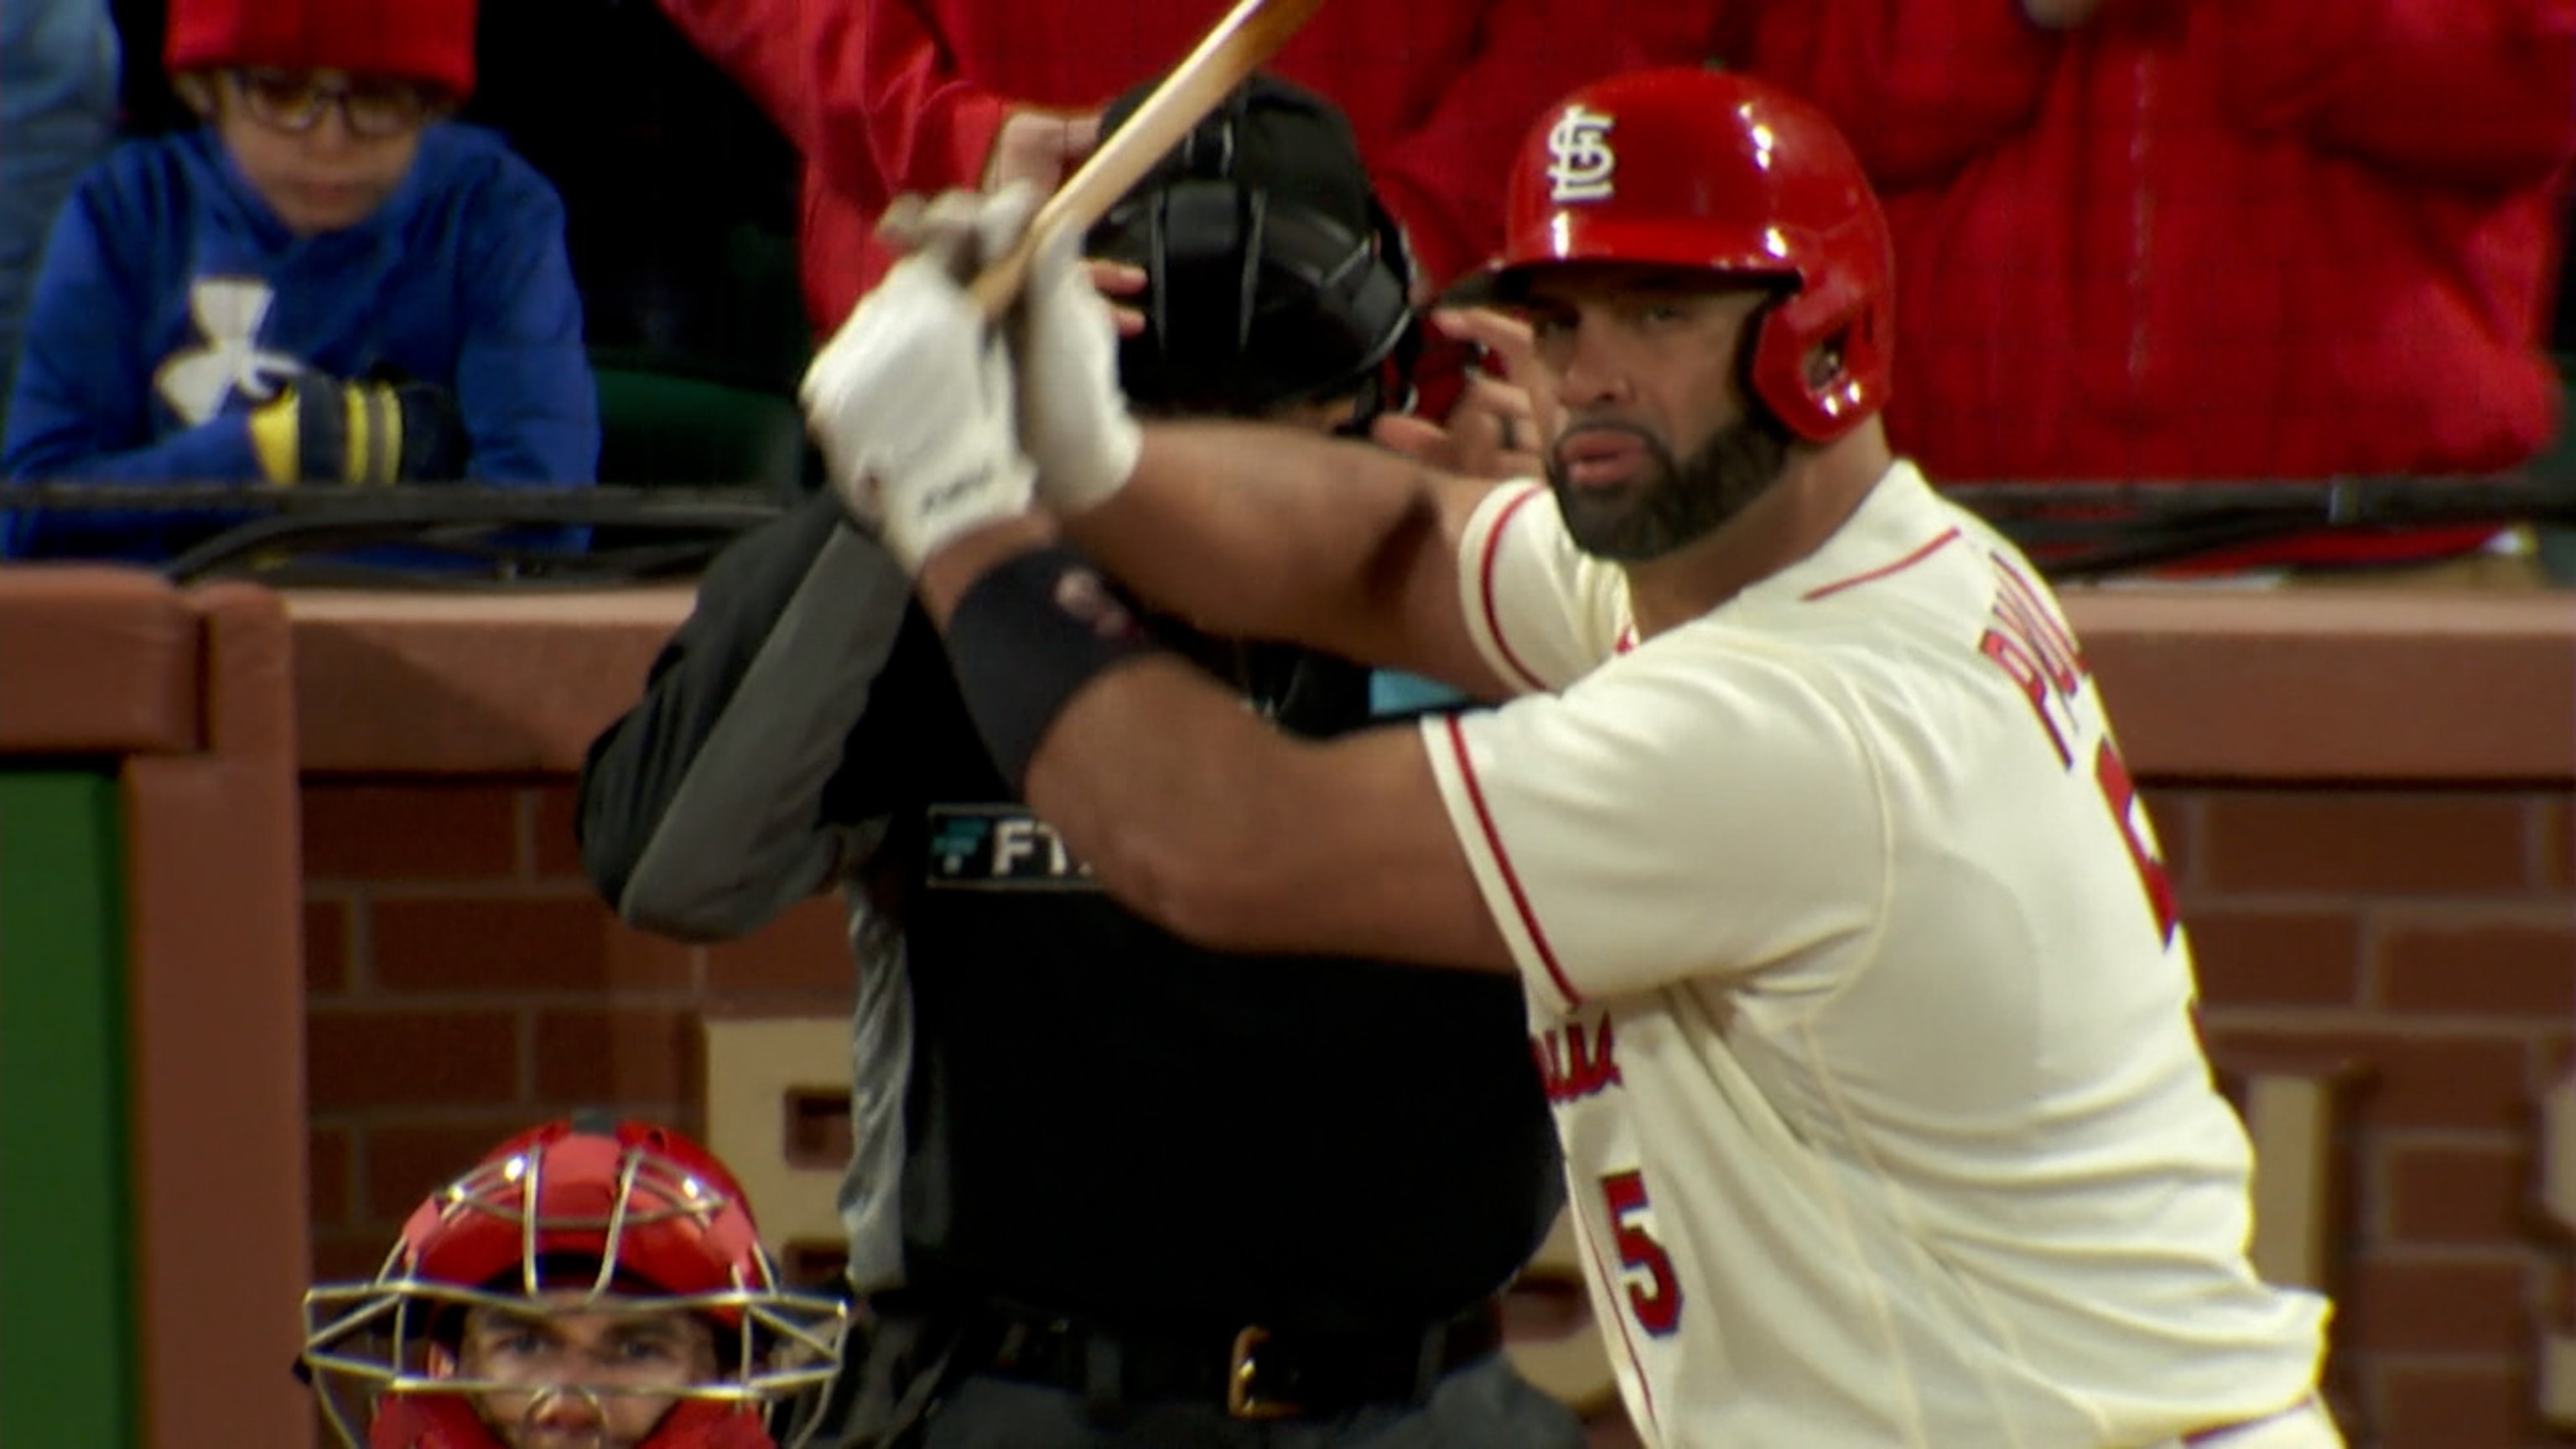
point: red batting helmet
(1708, 169)
(423, 40)
(628, 1217)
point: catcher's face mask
(602, 1282)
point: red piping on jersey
(1883, 570)
(1503, 862)
(1485, 591)
(1627, 1341)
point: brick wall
(2427, 939)
(465, 982)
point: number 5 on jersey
(2128, 812)
(1657, 1301)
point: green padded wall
(68, 1350)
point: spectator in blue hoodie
(327, 282)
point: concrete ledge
(2205, 683)
(464, 684)
(2395, 685)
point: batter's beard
(1677, 503)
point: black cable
(467, 525)
(2071, 529)
(439, 526)
(433, 502)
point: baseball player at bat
(1851, 965)
(1105, 1189)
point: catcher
(590, 1282)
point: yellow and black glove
(319, 429)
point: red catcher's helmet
(651, 1209)
(1706, 169)
(630, 1217)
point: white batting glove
(911, 401)
(1073, 417)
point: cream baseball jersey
(1857, 985)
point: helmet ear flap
(1852, 326)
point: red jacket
(2247, 239)
(887, 96)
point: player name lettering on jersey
(999, 847)
(1577, 1059)
(2027, 642)
(2031, 645)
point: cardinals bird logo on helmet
(1582, 161)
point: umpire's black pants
(1483, 1405)
(900, 1386)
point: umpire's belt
(1253, 1372)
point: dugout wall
(153, 1202)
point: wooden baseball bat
(1249, 35)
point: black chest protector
(1108, 1122)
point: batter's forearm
(1143, 818)
(1271, 532)
(1198, 815)
(1190, 809)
